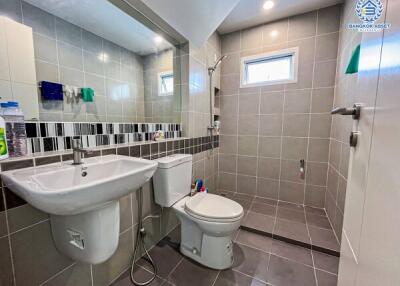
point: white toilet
(207, 221)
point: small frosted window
(166, 84)
(266, 69)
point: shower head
(217, 63)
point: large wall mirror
(93, 44)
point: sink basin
(66, 189)
(82, 200)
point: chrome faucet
(78, 151)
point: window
(165, 83)
(271, 68)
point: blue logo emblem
(369, 11)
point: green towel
(87, 94)
(354, 61)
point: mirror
(93, 44)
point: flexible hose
(140, 244)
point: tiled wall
(67, 54)
(341, 125)
(160, 108)
(267, 130)
(27, 253)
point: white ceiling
(248, 13)
(194, 19)
(105, 20)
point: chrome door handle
(355, 111)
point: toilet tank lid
(173, 160)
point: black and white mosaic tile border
(57, 136)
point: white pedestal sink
(82, 200)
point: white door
(371, 235)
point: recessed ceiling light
(274, 33)
(158, 39)
(268, 4)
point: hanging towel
(51, 91)
(68, 91)
(87, 94)
(354, 61)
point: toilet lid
(213, 206)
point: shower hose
(140, 234)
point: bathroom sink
(66, 189)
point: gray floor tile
(263, 209)
(292, 230)
(191, 273)
(326, 262)
(259, 222)
(318, 221)
(251, 261)
(293, 252)
(140, 275)
(255, 240)
(292, 215)
(165, 256)
(317, 211)
(265, 201)
(326, 279)
(323, 238)
(283, 272)
(292, 206)
(245, 204)
(234, 278)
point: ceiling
(194, 19)
(105, 20)
(248, 13)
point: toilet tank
(172, 179)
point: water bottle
(15, 128)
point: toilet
(208, 221)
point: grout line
(58, 273)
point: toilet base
(215, 252)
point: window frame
(160, 79)
(244, 61)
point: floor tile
(283, 272)
(326, 262)
(165, 256)
(255, 240)
(263, 209)
(234, 278)
(317, 211)
(292, 206)
(323, 238)
(140, 275)
(318, 221)
(292, 215)
(326, 279)
(293, 252)
(251, 261)
(259, 222)
(292, 230)
(265, 201)
(191, 273)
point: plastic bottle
(15, 129)
(3, 140)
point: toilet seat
(213, 208)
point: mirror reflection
(92, 63)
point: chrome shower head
(217, 63)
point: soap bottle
(3, 140)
